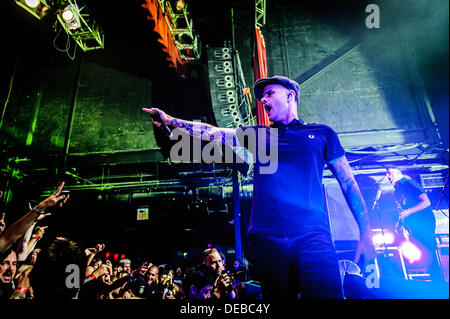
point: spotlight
(180, 5)
(67, 14)
(79, 24)
(380, 239)
(70, 15)
(32, 3)
(38, 8)
(410, 251)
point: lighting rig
(180, 25)
(74, 17)
(77, 21)
(174, 27)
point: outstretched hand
(165, 118)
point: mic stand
(376, 206)
(442, 193)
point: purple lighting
(410, 251)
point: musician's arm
(423, 203)
(198, 129)
(206, 131)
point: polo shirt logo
(311, 136)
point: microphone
(377, 198)
(381, 180)
(157, 118)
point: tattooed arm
(343, 173)
(198, 129)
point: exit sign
(142, 214)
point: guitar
(401, 228)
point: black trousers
(291, 265)
(422, 234)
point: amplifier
(442, 224)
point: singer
(290, 246)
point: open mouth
(268, 108)
(7, 277)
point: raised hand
(54, 199)
(109, 266)
(23, 281)
(2, 218)
(42, 216)
(40, 231)
(100, 271)
(142, 269)
(2, 222)
(99, 248)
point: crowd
(65, 270)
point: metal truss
(82, 28)
(181, 27)
(260, 13)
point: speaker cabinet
(222, 88)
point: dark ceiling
(127, 30)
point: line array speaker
(222, 87)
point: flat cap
(278, 79)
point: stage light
(78, 23)
(32, 3)
(180, 5)
(178, 38)
(67, 14)
(38, 8)
(379, 239)
(410, 251)
(71, 15)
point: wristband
(37, 237)
(21, 289)
(92, 277)
(37, 211)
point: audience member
(209, 280)
(126, 265)
(7, 273)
